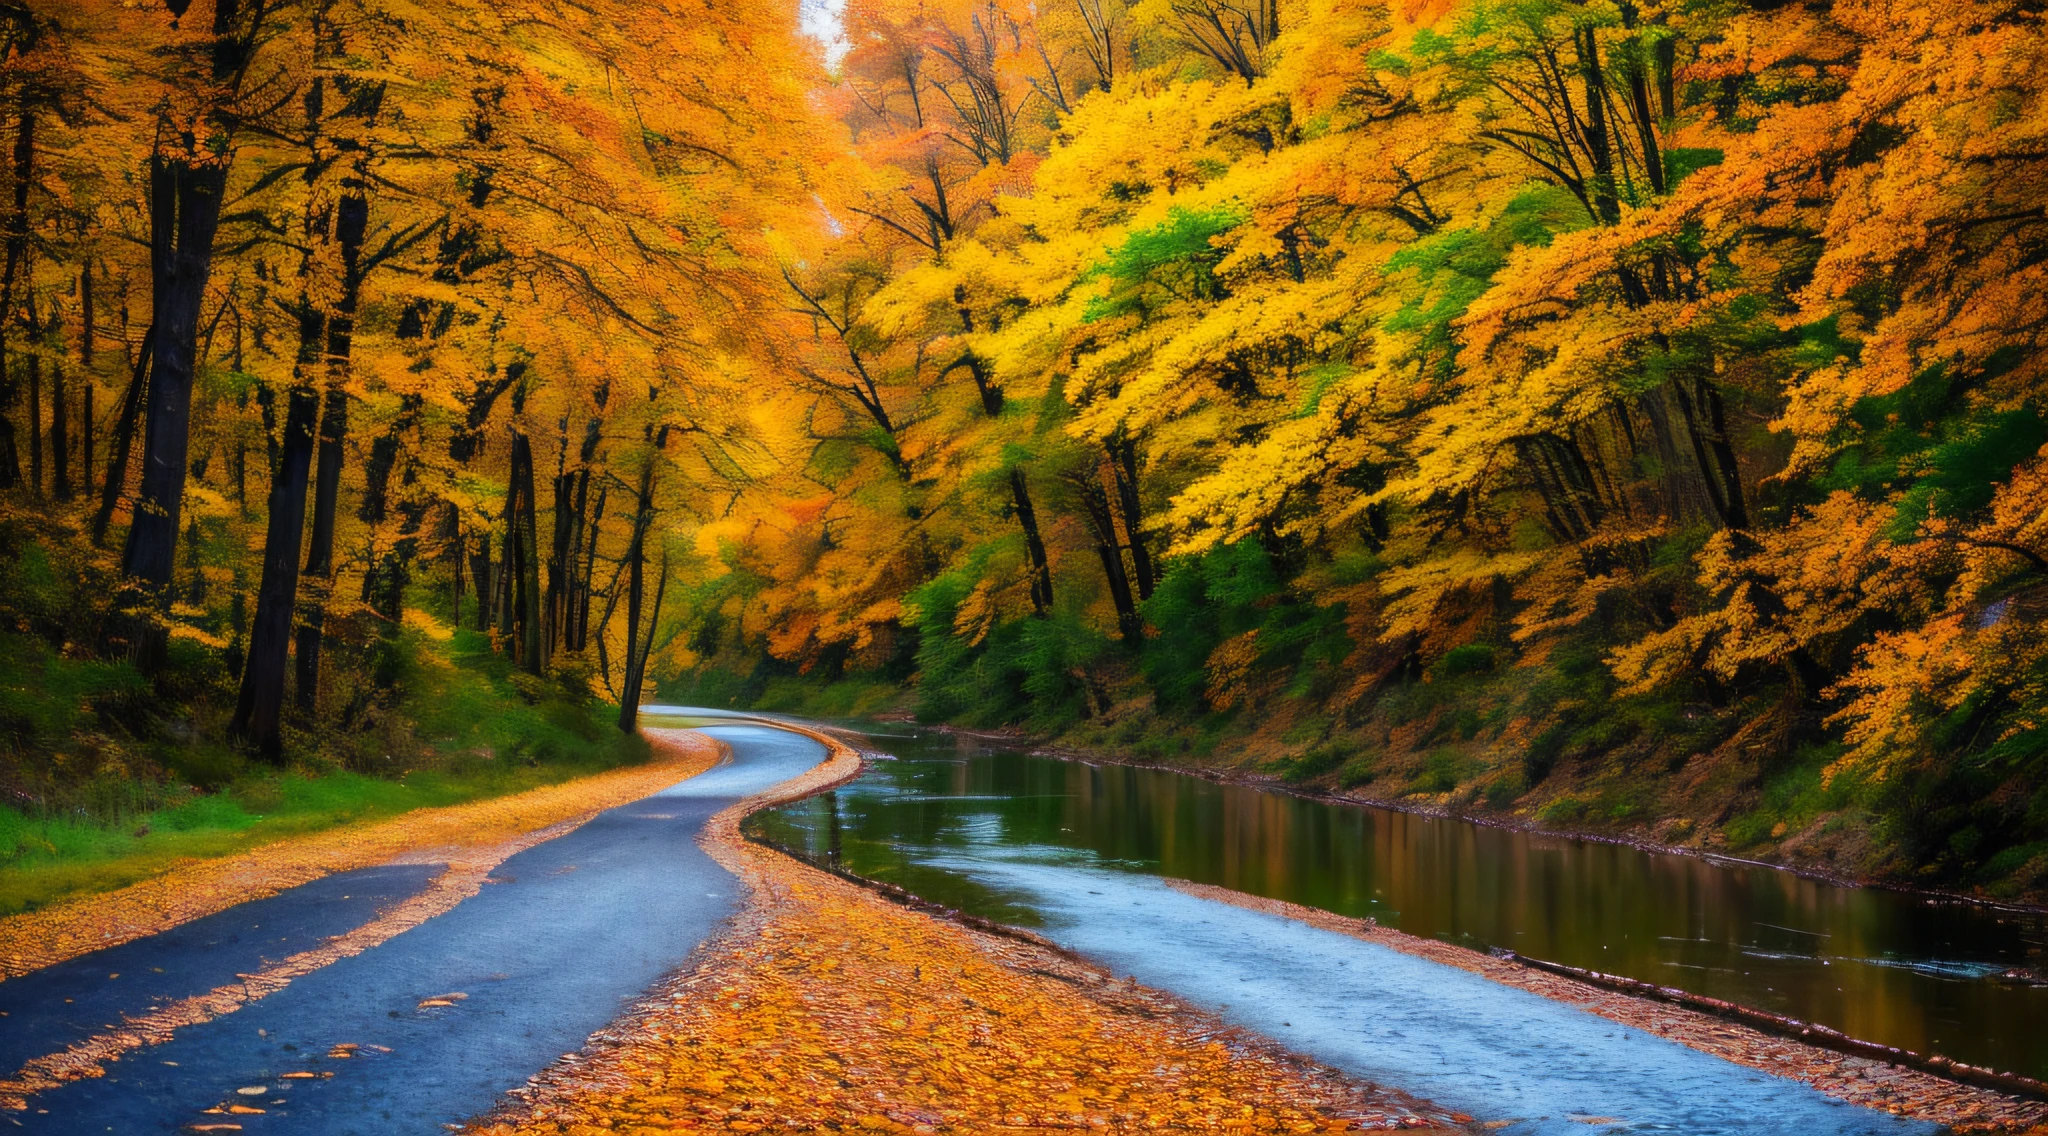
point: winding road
(437, 1022)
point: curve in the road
(568, 933)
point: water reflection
(1876, 964)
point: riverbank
(826, 1006)
(1552, 747)
(1256, 773)
(1901, 1091)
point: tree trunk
(636, 561)
(636, 666)
(480, 579)
(1123, 460)
(259, 709)
(184, 214)
(1599, 143)
(60, 437)
(532, 655)
(1027, 517)
(86, 380)
(320, 550)
(35, 423)
(1559, 472)
(561, 549)
(1706, 424)
(501, 582)
(1095, 510)
(17, 256)
(85, 428)
(86, 315)
(581, 624)
(124, 438)
(351, 222)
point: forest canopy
(1617, 413)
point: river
(1078, 850)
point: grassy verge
(53, 858)
(129, 790)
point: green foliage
(1795, 794)
(1030, 669)
(1441, 773)
(1224, 593)
(45, 698)
(1317, 761)
(1175, 259)
(1469, 659)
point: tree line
(315, 312)
(1677, 365)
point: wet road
(1527, 1065)
(567, 933)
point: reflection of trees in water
(1753, 935)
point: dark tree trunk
(581, 624)
(636, 664)
(86, 315)
(1123, 456)
(376, 503)
(35, 423)
(1706, 419)
(259, 709)
(185, 197)
(85, 427)
(86, 325)
(458, 551)
(185, 203)
(60, 437)
(501, 582)
(636, 584)
(1020, 490)
(525, 525)
(480, 579)
(1095, 510)
(320, 550)
(17, 256)
(1027, 517)
(124, 437)
(1571, 502)
(561, 550)
(570, 606)
(351, 222)
(1599, 142)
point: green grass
(52, 858)
(461, 725)
(851, 697)
(1793, 796)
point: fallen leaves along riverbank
(825, 1006)
(1873, 1084)
(43, 938)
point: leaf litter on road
(824, 1006)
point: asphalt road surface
(567, 934)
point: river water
(1078, 851)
